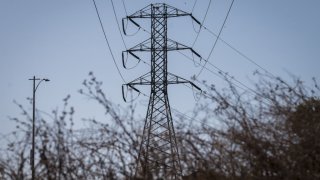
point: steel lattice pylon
(158, 155)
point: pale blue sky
(62, 40)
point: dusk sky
(62, 40)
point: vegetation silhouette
(270, 134)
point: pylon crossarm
(171, 46)
(174, 79)
(146, 12)
(130, 18)
(142, 80)
(143, 46)
(141, 13)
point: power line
(214, 73)
(232, 78)
(105, 37)
(211, 32)
(220, 76)
(245, 87)
(194, 5)
(215, 43)
(190, 118)
(118, 25)
(198, 33)
(206, 61)
(228, 44)
(126, 11)
(218, 38)
(217, 74)
(125, 8)
(238, 51)
(210, 96)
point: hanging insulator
(134, 88)
(134, 55)
(134, 22)
(123, 29)
(194, 52)
(123, 96)
(123, 63)
(195, 86)
(195, 20)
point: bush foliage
(268, 132)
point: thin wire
(116, 17)
(234, 78)
(209, 96)
(194, 94)
(244, 88)
(220, 70)
(196, 99)
(194, 28)
(232, 47)
(119, 29)
(194, 5)
(238, 51)
(105, 37)
(125, 8)
(222, 40)
(219, 75)
(215, 43)
(190, 118)
(185, 115)
(198, 33)
(214, 73)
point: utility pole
(32, 152)
(158, 155)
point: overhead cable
(238, 51)
(105, 37)
(215, 43)
(118, 25)
(198, 33)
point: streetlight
(34, 79)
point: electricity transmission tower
(158, 154)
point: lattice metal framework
(158, 155)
